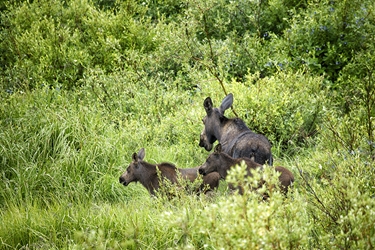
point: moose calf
(146, 173)
(220, 162)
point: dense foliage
(84, 84)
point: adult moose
(220, 162)
(147, 174)
(236, 138)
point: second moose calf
(220, 162)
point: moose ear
(208, 105)
(226, 103)
(135, 157)
(141, 154)
(218, 148)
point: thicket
(84, 84)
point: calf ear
(141, 154)
(217, 148)
(226, 103)
(208, 105)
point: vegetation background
(84, 84)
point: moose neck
(229, 130)
(148, 178)
(224, 130)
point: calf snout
(123, 181)
(201, 171)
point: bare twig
(214, 70)
(321, 206)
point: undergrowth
(85, 84)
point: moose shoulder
(147, 174)
(236, 138)
(220, 162)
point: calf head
(213, 162)
(132, 172)
(212, 121)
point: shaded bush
(54, 43)
(328, 35)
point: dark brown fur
(146, 173)
(236, 138)
(220, 162)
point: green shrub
(355, 99)
(241, 222)
(338, 187)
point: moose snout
(201, 141)
(123, 181)
(201, 171)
